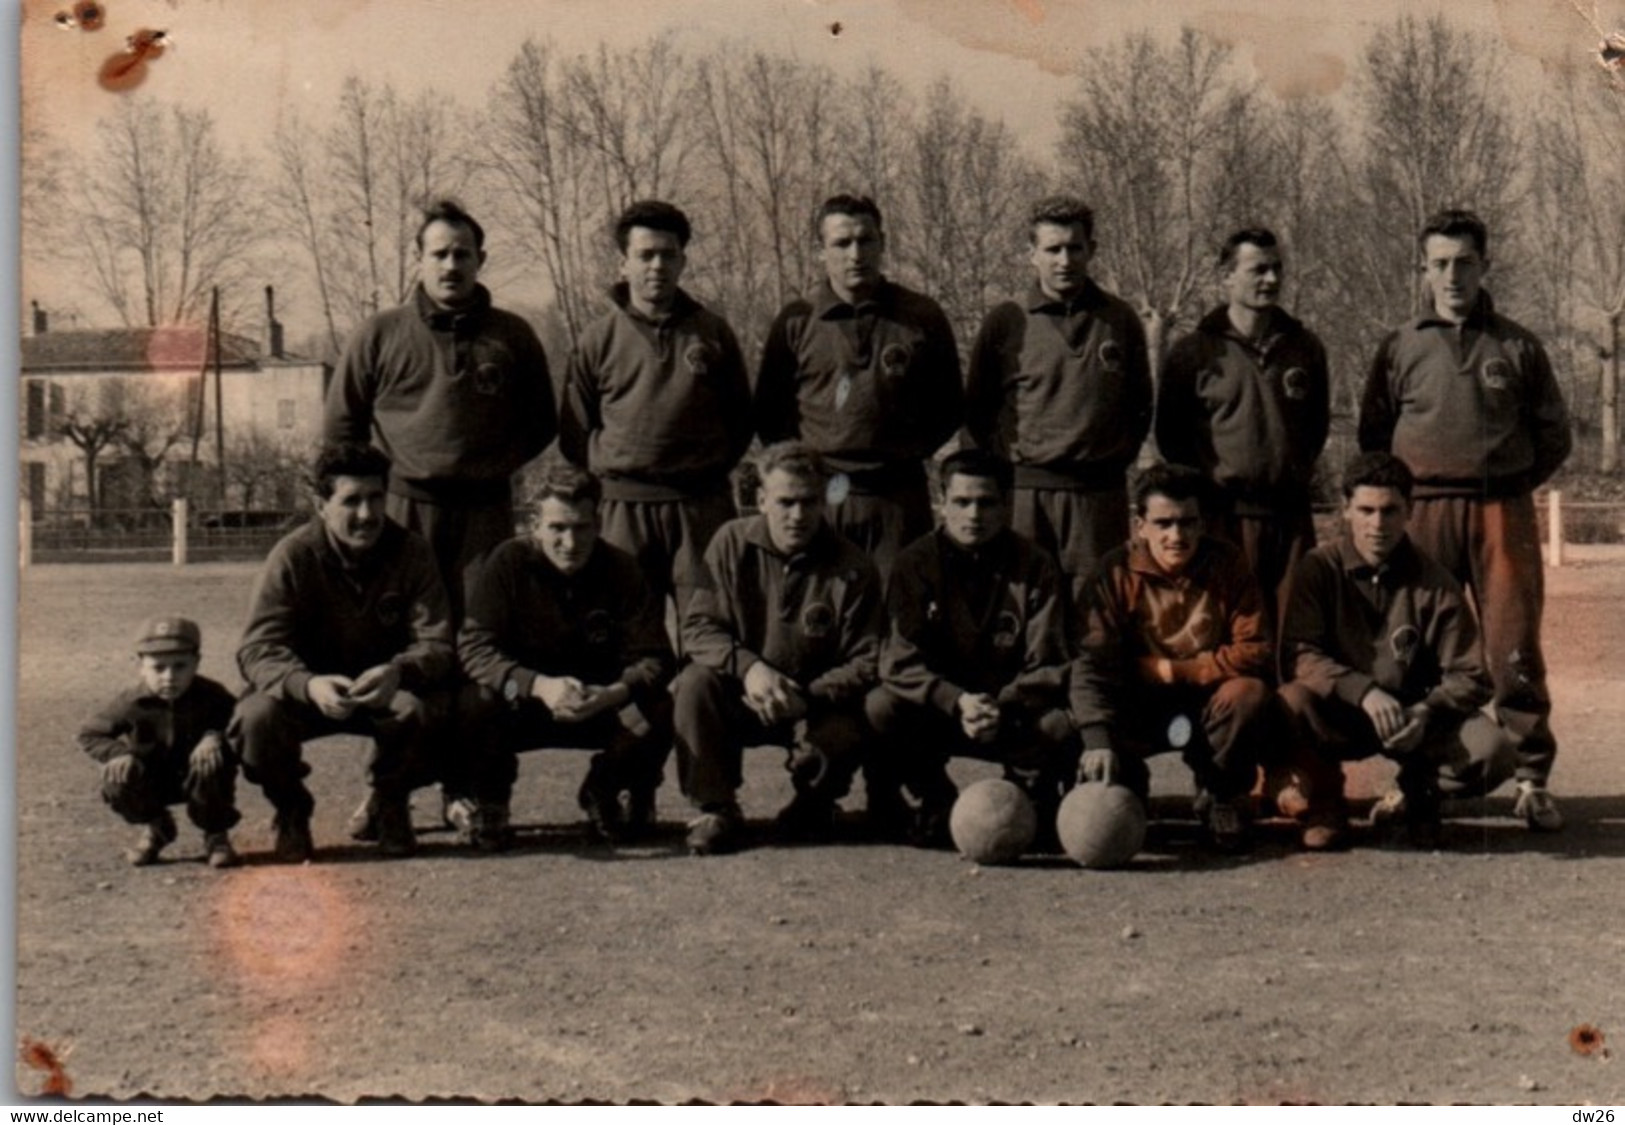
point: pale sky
(246, 59)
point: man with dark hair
(867, 373)
(1383, 653)
(349, 631)
(1468, 400)
(1060, 383)
(454, 391)
(1246, 399)
(565, 645)
(976, 659)
(784, 633)
(1175, 656)
(657, 404)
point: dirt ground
(846, 973)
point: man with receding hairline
(1060, 384)
(454, 391)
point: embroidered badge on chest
(1403, 642)
(837, 490)
(1006, 630)
(697, 357)
(818, 620)
(1111, 355)
(597, 627)
(894, 360)
(487, 378)
(391, 608)
(1295, 384)
(1496, 374)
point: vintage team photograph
(820, 552)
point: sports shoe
(395, 836)
(293, 841)
(930, 827)
(806, 819)
(363, 825)
(156, 835)
(1226, 824)
(1389, 811)
(218, 852)
(459, 814)
(1538, 807)
(489, 830)
(603, 809)
(1325, 832)
(716, 831)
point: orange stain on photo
(128, 69)
(50, 1061)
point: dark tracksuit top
(992, 622)
(1208, 621)
(527, 618)
(816, 616)
(457, 399)
(659, 410)
(1473, 410)
(317, 612)
(1253, 418)
(870, 387)
(158, 733)
(1063, 390)
(1405, 627)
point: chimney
(273, 327)
(40, 319)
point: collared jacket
(527, 618)
(816, 616)
(1473, 409)
(660, 408)
(318, 612)
(155, 731)
(867, 385)
(1061, 389)
(1253, 417)
(1207, 621)
(990, 620)
(458, 396)
(1404, 627)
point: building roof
(175, 348)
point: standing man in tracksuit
(1467, 399)
(657, 405)
(1060, 383)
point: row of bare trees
(1171, 139)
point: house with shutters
(117, 418)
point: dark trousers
(1273, 546)
(1493, 548)
(1456, 755)
(1076, 527)
(152, 786)
(713, 727)
(271, 734)
(1228, 725)
(884, 520)
(1038, 749)
(459, 534)
(667, 537)
(631, 745)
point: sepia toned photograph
(835, 552)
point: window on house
(36, 420)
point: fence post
(25, 534)
(1554, 527)
(178, 531)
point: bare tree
(1160, 137)
(91, 427)
(157, 214)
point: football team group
(1031, 598)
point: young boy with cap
(162, 742)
